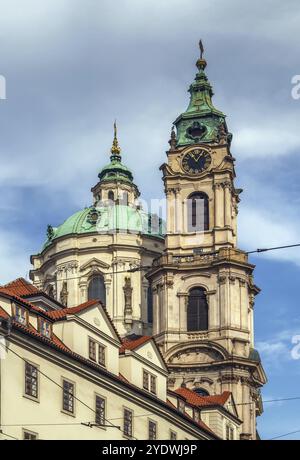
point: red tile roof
(218, 399)
(201, 401)
(62, 314)
(25, 289)
(21, 287)
(54, 340)
(8, 293)
(59, 315)
(132, 344)
(200, 423)
(134, 341)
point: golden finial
(115, 149)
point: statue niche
(64, 294)
(127, 288)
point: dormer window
(97, 352)
(20, 314)
(45, 328)
(149, 382)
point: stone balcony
(223, 254)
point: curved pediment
(195, 354)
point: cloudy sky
(73, 66)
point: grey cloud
(72, 67)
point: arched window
(150, 305)
(198, 212)
(111, 195)
(201, 392)
(197, 310)
(96, 289)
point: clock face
(196, 161)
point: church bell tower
(202, 285)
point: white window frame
(65, 411)
(156, 429)
(132, 423)
(25, 395)
(42, 323)
(23, 310)
(105, 409)
(98, 344)
(150, 375)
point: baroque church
(184, 280)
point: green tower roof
(201, 122)
(115, 170)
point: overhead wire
(61, 387)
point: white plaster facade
(76, 259)
(64, 356)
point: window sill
(32, 398)
(71, 414)
(100, 426)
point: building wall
(37, 416)
(76, 259)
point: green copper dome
(201, 122)
(115, 171)
(108, 219)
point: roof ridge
(194, 399)
(25, 302)
(57, 315)
(132, 344)
(19, 284)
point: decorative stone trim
(67, 267)
(222, 279)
